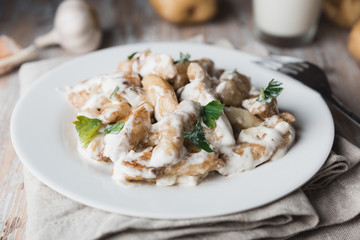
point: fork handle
(342, 108)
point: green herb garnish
(211, 112)
(183, 58)
(271, 91)
(197, 137)
(234, 71)
(131, 55)
(113, 93)
(87, 128)
(114, 128)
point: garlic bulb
(76, 28)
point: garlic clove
(76, 28)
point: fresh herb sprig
(113, 93)
(131, 55)
(211, 112)
(197, 137)
(272, 90)
(87, 128)
(114, 128)
(183, 58)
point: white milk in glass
(296, 19)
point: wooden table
(134, 21)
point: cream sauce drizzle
(274, 134)
(146, 63)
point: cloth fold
(50, 213)
(335, 165)
(328, 203)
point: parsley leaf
(87, 128)
(183, 58)
(212, 112)
(113, 93)
(234, 71)
(114, 128)
(197, 137)
(131, 55)
(271, 91)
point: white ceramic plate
(42, 120)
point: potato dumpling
(261, 109)
(113, 112)
(233, 88)
(181, 78)
(207, 64)
(241, 119)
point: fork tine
(285, 59)
(290, 60)
(303, 64)
(288, 71)
(279, 66)
(269, 64)
(294, 66)
(285, 64)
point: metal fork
(310, 75)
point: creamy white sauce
(121, 171)
(226, 75)
(236, 164)
(108, 83)
(196, 158)
(90, 153)
(174, 122)
(118, 145)
(178, 180)
(254, 106)
(160, 94)
(153, 63)
(198, 91)
(166, 148)
(270, 138)
(254, 91)
(221, 87)
(163, 154)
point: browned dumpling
(261, 109)
(233, 88)
(181, 78)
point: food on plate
(169, 122)
(185, 11)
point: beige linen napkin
(329, 208)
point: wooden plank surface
(134, 21)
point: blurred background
(130, 21)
